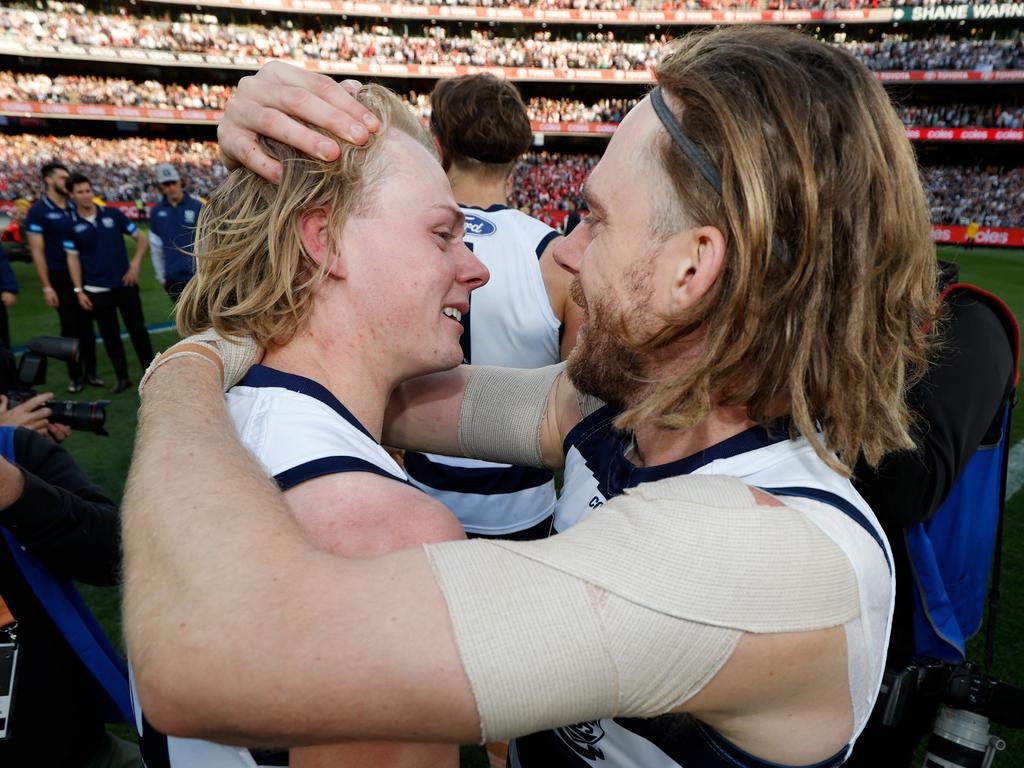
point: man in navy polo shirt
(103, 278)
(172, 232)
(47, 223)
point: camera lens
(84, 416)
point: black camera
(31, 371)
(969, 700)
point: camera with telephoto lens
(17, 382)
(968, 700)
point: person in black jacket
(69, 524)
(959, 403)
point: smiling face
(408, 268)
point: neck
(660, 446)
(56, 198)
(340, 365)
(174, 201)
(87, 210)
(470, 189)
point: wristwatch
(78, 290)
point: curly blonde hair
(253, 276)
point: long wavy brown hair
(830, 272)
(253, 276)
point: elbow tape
(502, 413)
(634, 610)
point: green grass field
(106, 459)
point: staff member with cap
(172, 231)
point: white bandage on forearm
(631, 612)
(502, 412)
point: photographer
(51, 513)
(32, 413)
(960, 402)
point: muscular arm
(365, 649)
(334, 649)
(389, 516)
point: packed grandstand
(146, 83)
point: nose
(472, 271)
(568, 253)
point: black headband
(696, 155)
(681, 140)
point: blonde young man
(755, 279)
(354, 275)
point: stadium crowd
(898, 52)
(74, 89)
(991, 197)
(122, 170)
(480, 46)
(119, 91)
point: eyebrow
(592, 202)
(460, 217)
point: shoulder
(735, 546)
(365, 514)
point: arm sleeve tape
(634, 610)
(502, 412)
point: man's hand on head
(273, 101)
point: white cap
(166, 172)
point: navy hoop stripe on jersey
(330, 465)
(543, 244)
(263, 376)
(483, 480)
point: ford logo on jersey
(479, 226)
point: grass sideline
(106, 459)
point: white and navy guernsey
(597, 469)
(297, 430)
(511, 324)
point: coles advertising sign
(987, 236)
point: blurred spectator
(542, 186)
(992, 196)
(8, 296)
(121, 169)
(588, 48)
(69, 89)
